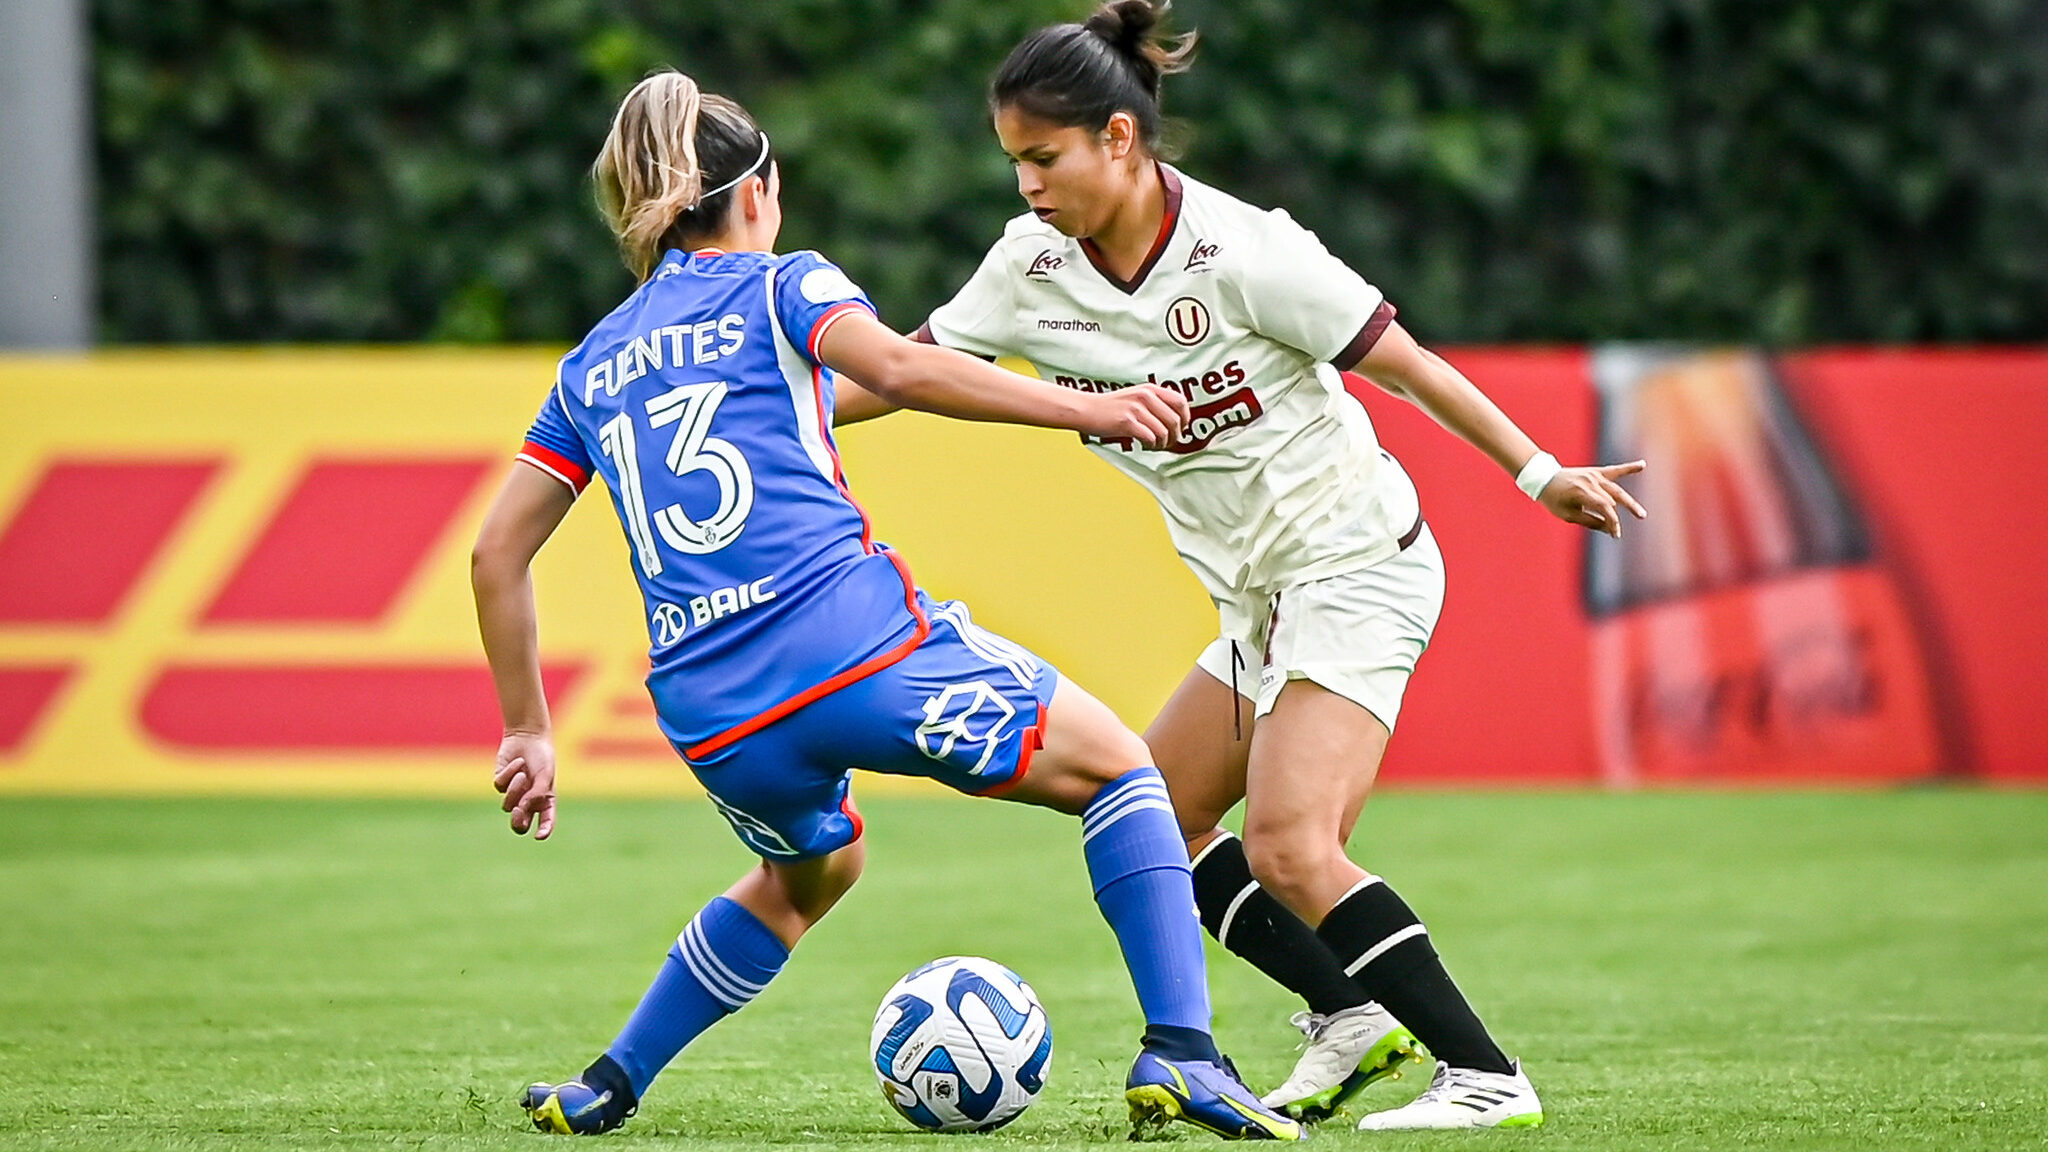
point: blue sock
(1139, 866)
(721, 961)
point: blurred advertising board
(1841, 579)
(247, 571)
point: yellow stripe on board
(1047, 545)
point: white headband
(734, 182)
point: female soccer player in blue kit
(787, 646)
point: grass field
(1783, 971)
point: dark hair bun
(1079, 75)
(1129, 27)
(1126, 24)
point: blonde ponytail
(647, 172)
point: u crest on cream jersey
(1280, 477)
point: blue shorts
(966, 708)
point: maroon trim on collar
(1367, 337)
(1171, 181)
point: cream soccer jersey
(1279, 479)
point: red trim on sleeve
(831, 316)
(554, 464)
(1367, 336)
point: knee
(1197, 829)
(1071, 781)
(1290, 867)
(1111, 754)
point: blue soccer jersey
(701, 402)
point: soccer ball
(961, 1045)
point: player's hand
(1592, 497)
(1147, 413)
(526, 775)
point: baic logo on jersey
(1044, 265)
(1187, 321)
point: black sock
(605, 1075)
(1245, 919)
(1388, 953)
(1181, 1043)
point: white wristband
(1536, 473)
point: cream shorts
(1357, 634)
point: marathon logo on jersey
(1067, 324)
(671, 346)
(1044, 265)
(1199, 259)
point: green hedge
(1790, 170)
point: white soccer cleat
(1465, 1098)
(1347, 1051)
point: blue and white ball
(961, 1045)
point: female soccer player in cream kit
(1308, 536)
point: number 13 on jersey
(692, 448)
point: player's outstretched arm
(521, 519)
(1591, 497)
(907, 374)
(853, 403)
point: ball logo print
(1187, 321)
(964, 715)
(961, 1045)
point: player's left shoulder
(1224, 234)
(816, 279)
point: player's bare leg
(790, 898)
(1085, 748)
(1313, 763)
(1202, 739)
(1094, 767)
